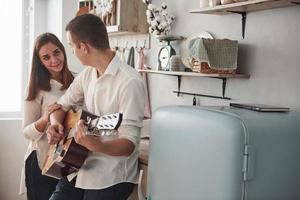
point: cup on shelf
(204, 3)
(226, 1)
(213, 3)
(176, 63)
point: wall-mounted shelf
(122, 17)
(246, 6)
(223, 77)
(117, 30)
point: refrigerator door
(196, 154)
(275, 138)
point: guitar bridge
(59, 151)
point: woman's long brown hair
(40, 76)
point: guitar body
(67, 156)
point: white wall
(13, 147)
(69, 9)
(54, 17)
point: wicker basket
(203, 67)
(213, 56)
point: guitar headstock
(104, 125)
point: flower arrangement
(158, 18)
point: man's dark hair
(89, 28)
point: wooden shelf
(246, 6)
(196, 74)
(117, 30)
(223, 77)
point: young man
(107, 86)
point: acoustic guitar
(67, 156)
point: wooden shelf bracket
(244, 17)
(224, 81)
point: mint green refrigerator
(223, 153)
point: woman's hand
(42, 123)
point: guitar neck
(105, 122)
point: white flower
(154, 23)
(148, 13)
(164, 23)
(146, 1)
(156, 32)
(159, 19)
(151, 7)
(160, 27)
(163, 5)
(151, 29)
(164, 12)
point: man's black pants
(65, 190)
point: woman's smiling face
(52, 58)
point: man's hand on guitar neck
(88, 141)
(115, 147)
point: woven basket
(213, 56)
(203, 67)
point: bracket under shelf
(224, 81)
(179, 75)
(244, 17)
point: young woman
(49, 78)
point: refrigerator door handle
(249, 163)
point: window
(11, 86)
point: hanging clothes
(121, 54)
(130, 60)
(140, 66)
